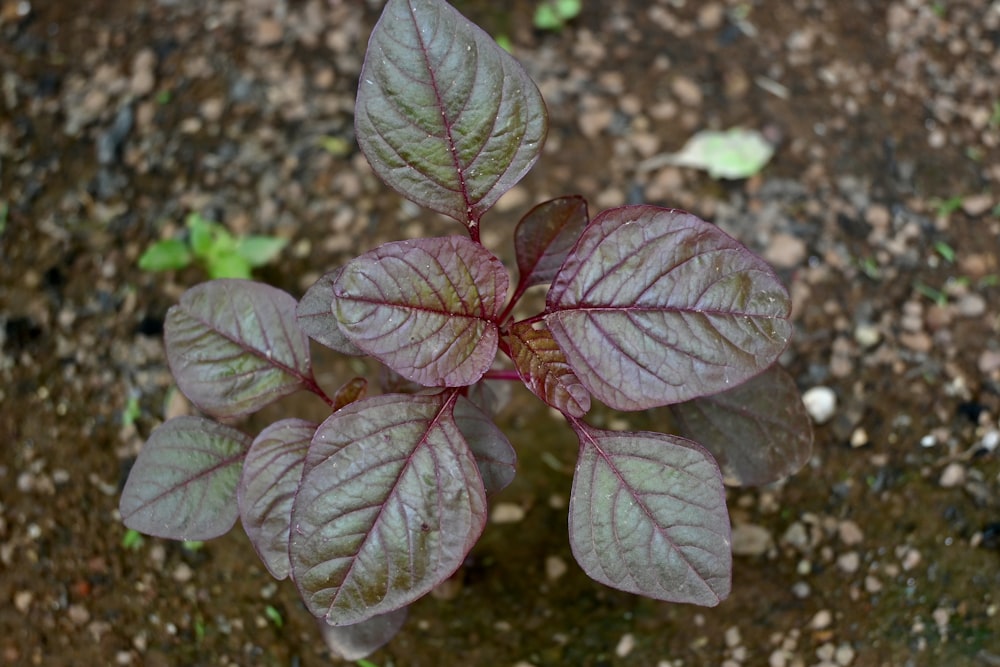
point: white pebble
(821, 620)
(821, 403)
(953, 475)
(625, 645)
(507, 513)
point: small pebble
(732, 637)
(849, 532)
(952, 476)
(849, 562)
(555, 567)
(750, 540)
(821, 620)
(821, 403)
(844, 655)
(625, 645)
(507, 513)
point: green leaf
(227, 265)
(165, 255)
(732, 154)
(259, 250)
(204, 234)
(444, 115)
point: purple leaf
(353, 642)
(655, 306)
(234, 346)
(543, 368)
(183, 484)
(545, 235)
(495, 457)
(349, 392)
(759, 432)
(390, 503)
(271, 475)
(444, 115)
(315, 316)
(647, 515)
(425, 308)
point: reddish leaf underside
(271, 474)
(425, 308)
(758, 432)
(390, 503)
(648, 516)
(655, 306)
(234, 346)
(543, 369)
(183, 484)
(494, 454)
(545, 236)
(443, 114)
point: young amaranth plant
(381, 502)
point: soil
(881, 210)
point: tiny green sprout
(131, 411)
(335, 146)
(869, 267)
(132, 540)
(554, 14)
(163, 97)
(945, 207)
(200, 628)
(503, 41)
(4, 211)
(946, 251)
(935, 295)
(991, 280)
(192, 545)
(995, 116)
(274, 616)
(365, 663)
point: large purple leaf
(426, 308)
(647, 515)
(443, 114)
(315, 316)
(655, 306)
(183, 484)
(545, 235)
(494, 454)
(353, 642)
(271, 475)
(234, 346)
(543, 369)
(390, 503)
(759, 432)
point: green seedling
(946, 251)
(945, 207)
(131, 411)
(554, 14)
(212, 245)
(274, 616)
(132, 540)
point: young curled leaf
(349, 392)
(647, 515)
(543, 369)
(444, 115)
(183, 484)
(267, 487)
(234, 346)
(390, 502)
(426, 308)
(494, 454)
(759, 432)
(656, 306)
(545, 236)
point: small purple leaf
(271, 475)
(315, 316)
(349, 392)
(183, 484)
(543, 369)
(647, 515)
(234, 346)
(354, 642)
(655, 306)
(390, 503)
(759, 432)
(545, 235)
(444, 115)
(494, 454)
(426, 308)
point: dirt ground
(880, 209)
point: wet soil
(881, 210)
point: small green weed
(221, 253)
(554, 14)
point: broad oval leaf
(545, 235)
(426, 308)
(390, 503)
(647, 515)
(234, 346)
(183, 484)
(354, 642)
(543, 369)
(494, 454)
(314, 313)
(759, 432)
(656, 306)
(444, 115)
(271, 474)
